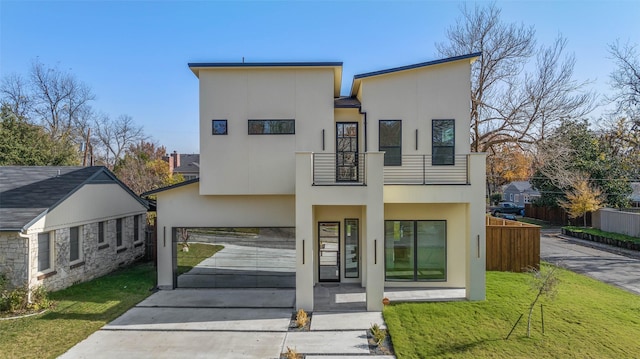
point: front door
(329, 251)
(346, 152)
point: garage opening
(244, 257)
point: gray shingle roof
(27, 192)
(189, 163)
(346, 102)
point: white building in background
(380, 185)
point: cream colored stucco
(185, 207)
(267, 180)
(239, 163)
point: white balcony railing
(332, 170)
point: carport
(251, 258)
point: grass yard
(587, 319)
(597, 232)
(84, 308)
(79, 311)
(197, 253)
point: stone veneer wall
(97, 259)
(13, 258)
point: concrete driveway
(602, 262)
(226, 324)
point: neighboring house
(64, 225)
(377, 188)
(520, 192)
(188, 165)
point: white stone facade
(96, 259)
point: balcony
(330, 169)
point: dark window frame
(40, 252)
(75, 249)
(213, 127)
(437, 157)
(100, 232)
(136, 228)
(415, 251)
(251, 130)
(388, 160)
(119, 232)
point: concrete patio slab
(167, 344)
(339, 342)
(425, 295)
(345, 321)
(222, 298)
(202, 319)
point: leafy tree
(507, 163)
(510, 104)
(142, 168)
(581, 199)
(570, 153)
(26, 144)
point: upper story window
(443, 142)
(390, 141)
(272, 127)
(218, 127)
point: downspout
(28, 262)
(365, 126)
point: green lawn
(84, 308)
(79, 311)
(197, 253)
(597, 232)
(587, 319)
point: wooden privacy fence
(512, 246)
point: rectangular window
(44, 251)
(272, 127)
(443, 142)
(136, 228)
(119, 232)
(100, 232)
(415, 251)
(218, 127)
(74, 244)
(390, 141)
(351, 249)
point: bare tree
(60, 101)
(509, 102)
(625, 81)
(15, 95)
(114, 137)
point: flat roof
(335, 65)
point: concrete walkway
(227, 323)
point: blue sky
(134, 54)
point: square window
(219, 127)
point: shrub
(378, 333)
(302, 318)
(17, 300)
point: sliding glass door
(415, 250)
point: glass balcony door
(347, 152)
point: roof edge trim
(418, 65)
(162, 189)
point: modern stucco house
(379, 187)
(64, 225)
